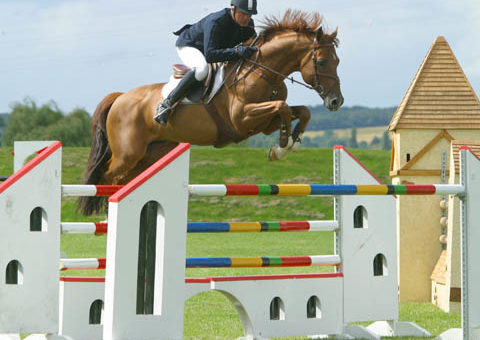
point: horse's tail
(100, 154)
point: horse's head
(319, 69)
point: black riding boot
(165, 108)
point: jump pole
(99, 228)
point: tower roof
(456, 144)
(440, 96)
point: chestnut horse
(126, 139)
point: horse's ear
(319, 33)
(334, 34)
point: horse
(126, 140)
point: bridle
(317, 86)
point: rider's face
(242, 18)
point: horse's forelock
(332, 38)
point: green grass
(211, 315)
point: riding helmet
(246, 6)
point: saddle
(200, 93)
(203, 93)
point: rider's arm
(212, 42)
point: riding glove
(245, 51)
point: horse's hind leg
(155, 151)
(123, 161)
(119, 166)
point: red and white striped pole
(89, 190)
(97, 228)
(81, 264)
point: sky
(75, 52)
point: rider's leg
(165, 108)
(194, 59)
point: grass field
(211, 315)
(365, 134)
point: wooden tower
(439, 106)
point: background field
(210, 315)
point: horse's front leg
(259, 116)
(302, 113)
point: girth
(225, 135)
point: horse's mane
(293, 20)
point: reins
(269, 69)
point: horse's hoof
(277, 153)
(271, 155)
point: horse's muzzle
(333, 101)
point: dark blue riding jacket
(215, 36)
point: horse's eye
(321, 62)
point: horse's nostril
(334, 103)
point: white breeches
(194, 59)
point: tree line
(29, 121)
(327, 140)
(349, 117)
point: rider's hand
(245, 51)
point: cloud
(466, 45)
(106, 45)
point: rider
(215, 38)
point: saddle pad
(218, 80)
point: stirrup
(163, 113)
